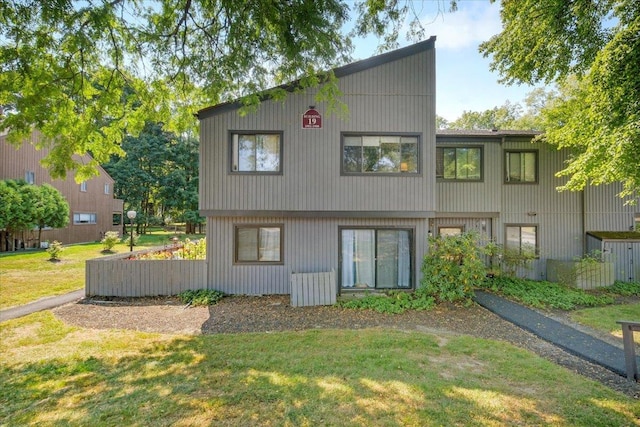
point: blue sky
(463, 79)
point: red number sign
(311, 119)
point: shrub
(625, 289)
(136, 237)
(55, 250)
(110, 239)
(200, 297)
(546, 294)
(505, 261)
(194, 249)
(393, 302)
(452, 267)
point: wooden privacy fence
(120, 277)
(313, 289)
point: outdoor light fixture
(131, 215)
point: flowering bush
(110, 239)
(191, 250)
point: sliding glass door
(375, 258)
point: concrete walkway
(578, 343)
(41, 304)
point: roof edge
(342, 71)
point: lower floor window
(375, 258)
(258, 244)
(84, 218)
(522, 238)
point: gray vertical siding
(378, 101)
(310, 246)
(562, 218)
(133, 278)
(605, 211)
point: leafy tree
(497, 118)
(86, 74)
(24, 206)
(52, 209)
(158, 176)
(598, 115)
(179, 185)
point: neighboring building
(292, 189)
(93, 210)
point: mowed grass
(55, 374)
(29, 276)
(604, 318)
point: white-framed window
(258, 244)
(459, 163)
(84, 218)
(30, 177)
(256, 152)
(521, 167)
(107, 188)
(364, 154)
(83, 186)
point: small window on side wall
(256, 153)
(83, 186)
(521, 167)
(258, 244)
(30, 177)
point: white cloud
(473, 23)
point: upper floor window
(258, 244)
(30, 177)
(380, 154)
(521, 167)
(107, 188)
(259, 152)
(459, 163)
(84, 218)
(83, 186)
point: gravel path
(273, 313)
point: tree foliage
(24, 207)
(592, 49)
(86, 74)
(158, 176)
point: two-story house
(291, 189)
(93, 208)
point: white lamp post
(131, 215)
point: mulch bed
(243, 314)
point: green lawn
(605, 318)
(28, 276)
(54, 374)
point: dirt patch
(242, 314)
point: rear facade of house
(290, 188)
(93, 208)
